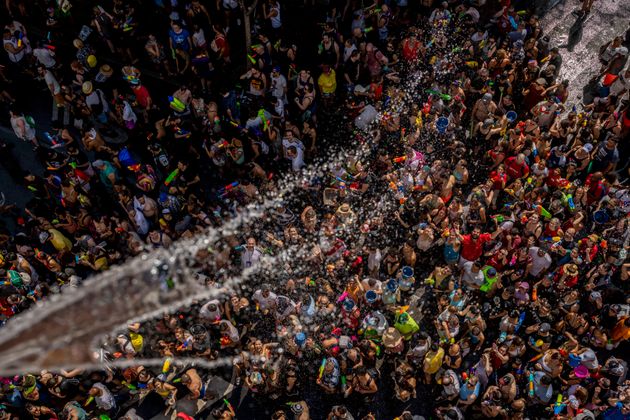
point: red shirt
(471, 248)
(410, 49)
(142, 96)
(498, 180)
(515, 170)
(595, 190)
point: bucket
(441, 124)
(348, 304)
(392, 285)
(300, 339)
(406, 283)
(371, 296)
(511, 116)
(581, 372)
(574, 361)
(407, 272)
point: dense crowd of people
(465, 258)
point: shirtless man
(195, 385)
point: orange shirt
(620, 332)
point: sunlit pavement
(579, 43)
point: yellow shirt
(59, 241)
(433, 361)
(328, 82)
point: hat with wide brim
(106, 70)
(571, 269)
(392, 337)
(87, 88)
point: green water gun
(443, 96)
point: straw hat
(392, 337)
(344, 209)
(87, 88)
(571, 269)
(77, 43)
(106, 70)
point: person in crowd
(447, 229)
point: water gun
(521, 318)
(558, 406)
(368, 30)
(185, 344)
(228, 405)
(513, 22)
(19, 37)
(166, 366)
(176, 105)
(427, 106)
(543, 212)
(223, 191)
(261, 115)
(499, 218)
(171, 177)
(444, 96)
(399, 159)
(343, 383)
(321, 368)
(88, 401)
(534, 294)
(570, 202)
(419, 121)
(133, 79)
(531, 384)
(130, 386)
(53, 140)
(183, 133)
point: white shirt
(297, 161)
(128, 114)
(105, 401)
(264, 302)
(278, 86)
(52, 83)
(212, 315)
(374, 259)
(276, 21)
(199, 38)
(470, 278)
(45, 57)
(538, 263)
(453, 388)
(249, 258)
(95, 98)
(17, 57)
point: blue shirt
(180, 40)
(543, 392)
(465, 392)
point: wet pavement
(580, 39)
